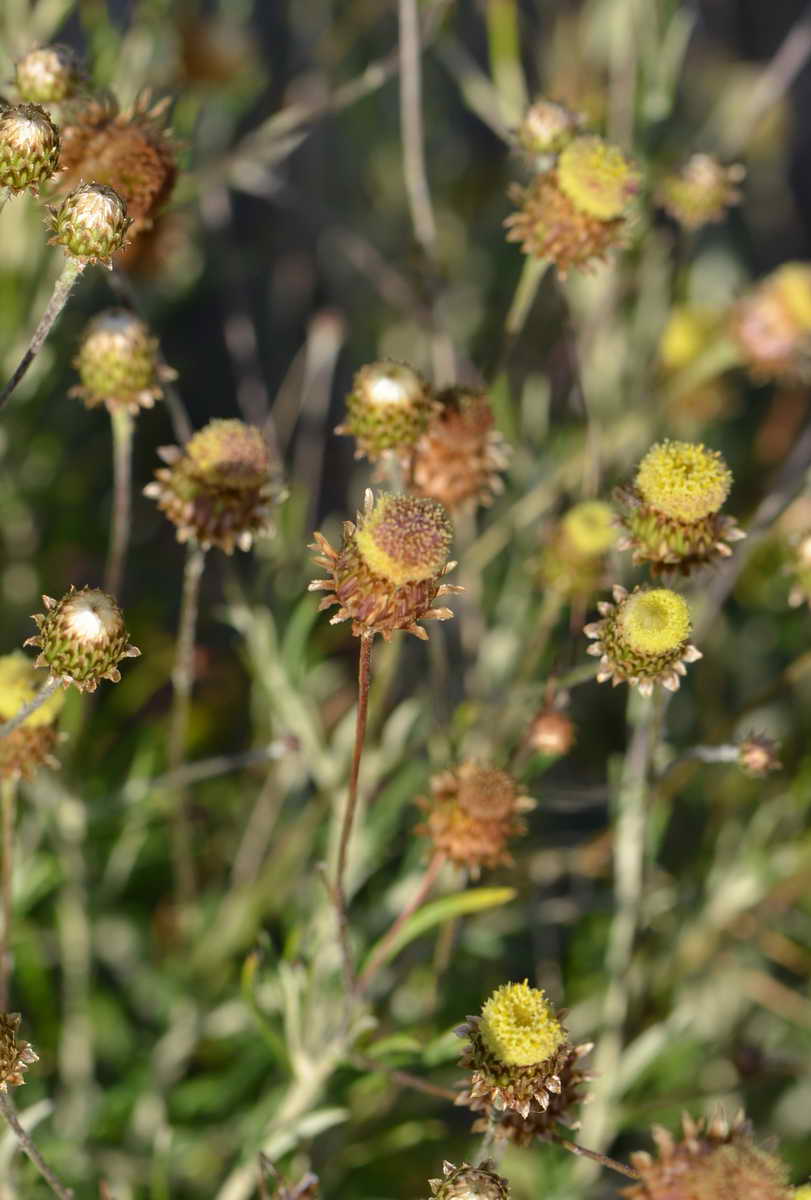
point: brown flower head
(29, 746)
(29, 147)
(388, 408)
(390, 567)
(772, 325)
(701, 192)
(82, 638)
(469, 1183)
(15, 1055)
(551, 732)
(118, 362)
(714, 1160)
(643, 639)
(131, 152)
(459, 456)
(472, 813)
(758, 755)
(49, 74)
(218, 490)
(91, 223)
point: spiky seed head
(683, 480)
(29, 746)
(550, 226)
(15, 1055)
(458, 458)
(82, 638)
(589, 528)
(519, 1026)
(701, 192)
(597, 177)
(470, 1183)
(405, 539)
(91, 223)
(48, 74)
(547, 127)
(759, 754)
(118, 362)
(29, 147)
(552, 733)
(655, 622)
(230, 454)
(388, 408)
(643, 639)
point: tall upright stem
(53, 1181)
(62, 288)
(364, 677)
(122, 426)
(8, 793)
(182, 680)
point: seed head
(388, 408)
(48, 74)
(29, 147)
(118, 363)
(701, 192)
(472, 813)
(683, 480)
(469, 1183)
(458, 458)
(758, 755)
(15, 1055)
(82, 638)
(220, 490)
(389, 569)
(597, 177)
(772, 325)
(30, 744)
(643, 639)
(547, 127)
(91, 223)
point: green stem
(62, 288)
(122, 426)
(504, 39)
(56, 1186)
(48, 688)
(8, 795)
(182, 681)
(381, 955)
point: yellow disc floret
(589, 528)
(19, 683)
(655, 622)
(597, 177)
(405, 539)
(683, 480)
(519, 1027)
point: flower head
(547, 127)
(518, 1026)
(388, 408)
(589, 528)
(48, 74)
(549, 225)
(701, 192)
(597, 177)
(458, 458)
(572, 561)
(30, 744)
(82, 638)
(91, 223)
(758, 755)
(118, 362)
(469, 1183)
(15, 1055)
(643, 639)
(683, 480)
(551, 732)
(772, 325)
(390, 566)
(29, 147)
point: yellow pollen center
(655, 622)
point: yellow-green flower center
(597, 177)
(655, 622)
(519, 1027)
(683, 480)
(589, 527)
(405, 539)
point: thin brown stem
(48, 688)
(8, 792)
(602, 1159)
(364, 677)
(364, 1063)
(182, 681)
(122, 426)
(381, 954)
(54, 1183)
(62, 288)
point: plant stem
(122, 426)
(603, 1159)
(30, 1149)
(426, 883)
(48, 688)
(364, 676)
(62, 288)
(8, 792)
(182, 681)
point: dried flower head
(219, 490)
(91, 223)
(15, 1055)
(49, 74)
(30, 744)
(472, 813)
(118, 362)
(546, 128)
(82, 638)
(469, 1183)
(670, 513)
(388, 408)
(508, 1125)
(799, 570)
(551, 732)
(772, 325)
(597, 177)
(643, 639)
(29, 147)
(389, 569)
(459, 456)
(758, 755)
(714, 1160)
(516, 1050)
(701, 192)
(131, 152)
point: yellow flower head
(405, 539)
(655, 622)
(589, 528)
(19, 683)
(686, 335)
(519, 1027)
(597, 177)
(683, 480)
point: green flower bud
(117, 362)
(91, 223)
(82, 638)
(48, 74)
(388, 408)
(469, 1183)
(29, 147)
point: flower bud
(387, 409)
(48, 74)
(701, 192)
(758, 755)
(91, 223)
(82, 638)
(469, 1183)
(117, 362)
(547, 127)
(643, 639)
(29, 147)
(15, 1055)
(30, 744)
